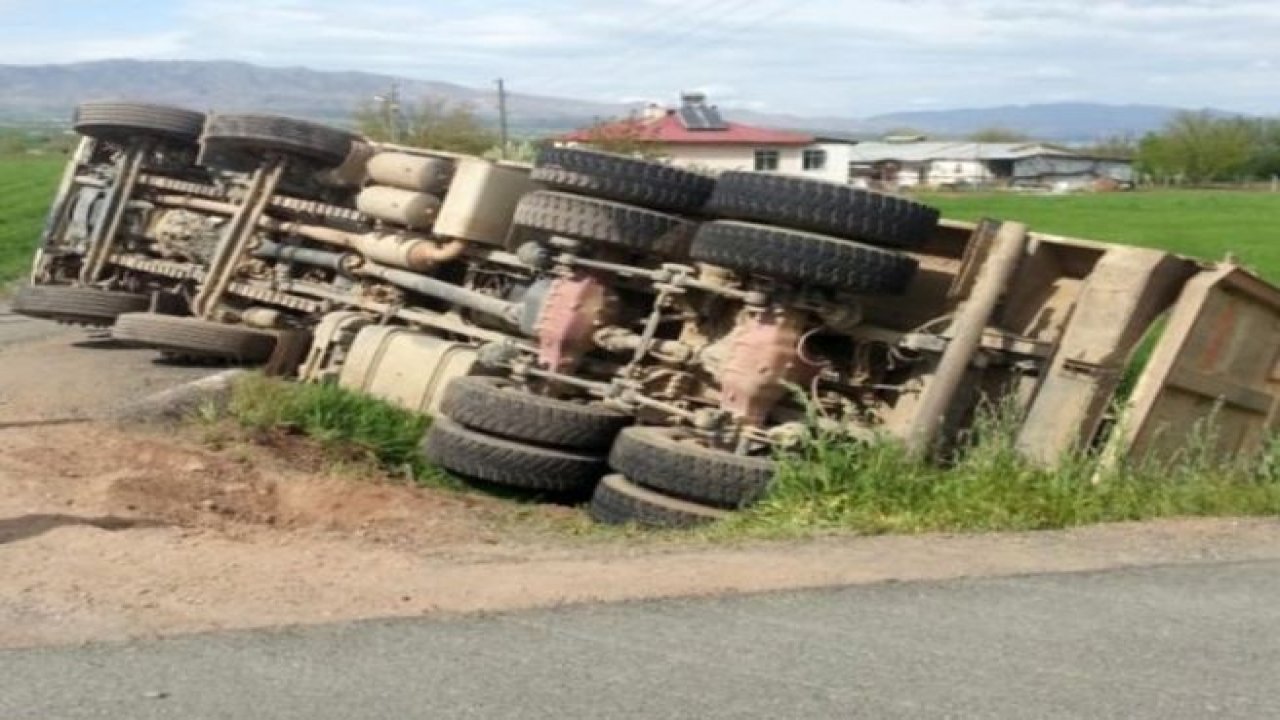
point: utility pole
(502, 119)
(391, 111)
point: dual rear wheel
(493, 430)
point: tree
(1199, 147)
(434, 123)
(521, 151)
(998, 135)
(1121, 147)
(1265, 160)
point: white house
(695, 135)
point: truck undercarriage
(597, 314)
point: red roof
(669, 130)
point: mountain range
(46, 94)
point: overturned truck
(643, 333)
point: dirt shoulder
(109, 533)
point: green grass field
(1205, 224)
(26, 186)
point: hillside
(47, 93)
(1068, 121)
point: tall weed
(834, 483)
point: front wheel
(241, 142)
(195, 337)
(119, 121)
(77, 305)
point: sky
(807, 57)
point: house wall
(727, 157)
(1053, 166)
(839, 155)
(932, 172)
(951, 172)
(742, 157)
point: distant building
(696, 135)
(972, 164)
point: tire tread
(276, 133)
(618, 501)
(112, 120)
(822, 207)
(604, 221)
(655, 458)
(194, 337)
(803, 257)
(77, 305)
(623, 179)
(493, 405)
(474, 454)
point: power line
(690, 46)
(690, 30)
(691, 20)
(693, 41)
(719, 39)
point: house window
(766, 160)
(815, 159)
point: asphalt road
(57, 372)
(16, 329)
(1178, 642)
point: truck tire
(116, 121)
(623, 179)
(822, 207)
(499, 407)
(660, 459)
(602, 221)
(500, 461)
(617, 501)
(77, 305)
(803, 258)
(194, 337)
(242, 140)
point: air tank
(413, 210)
(411, 172)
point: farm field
(26, 186)
(1201, 223)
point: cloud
(799, 56)
(144, 46)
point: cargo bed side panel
(1214, 367)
